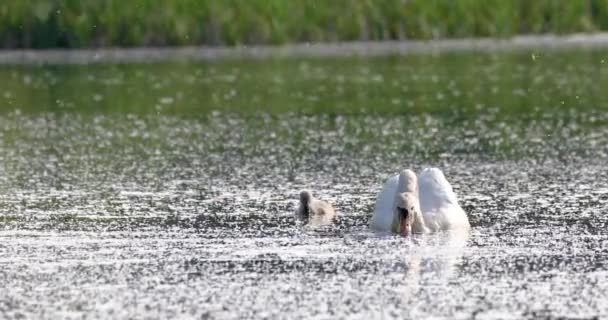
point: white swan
(407, 204)
(314, 211)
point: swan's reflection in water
(431, 264)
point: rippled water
(171, 213)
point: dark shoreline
(317, 50)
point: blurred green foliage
(94, 23)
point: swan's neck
(406, 184)
(409, 185)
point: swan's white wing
(434, 190)
(438, 201)
(383, 210)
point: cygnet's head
(405, 210)
(305, 197)
(408, 182)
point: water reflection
(432, 260)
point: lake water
(167, 190)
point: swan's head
(305, 197)
(405, 211)
(408, 182)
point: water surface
(167, 190)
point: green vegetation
(93, 23)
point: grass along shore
(112, 23)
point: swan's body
(314, 211)
(437, 203)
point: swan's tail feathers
(435, 190)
